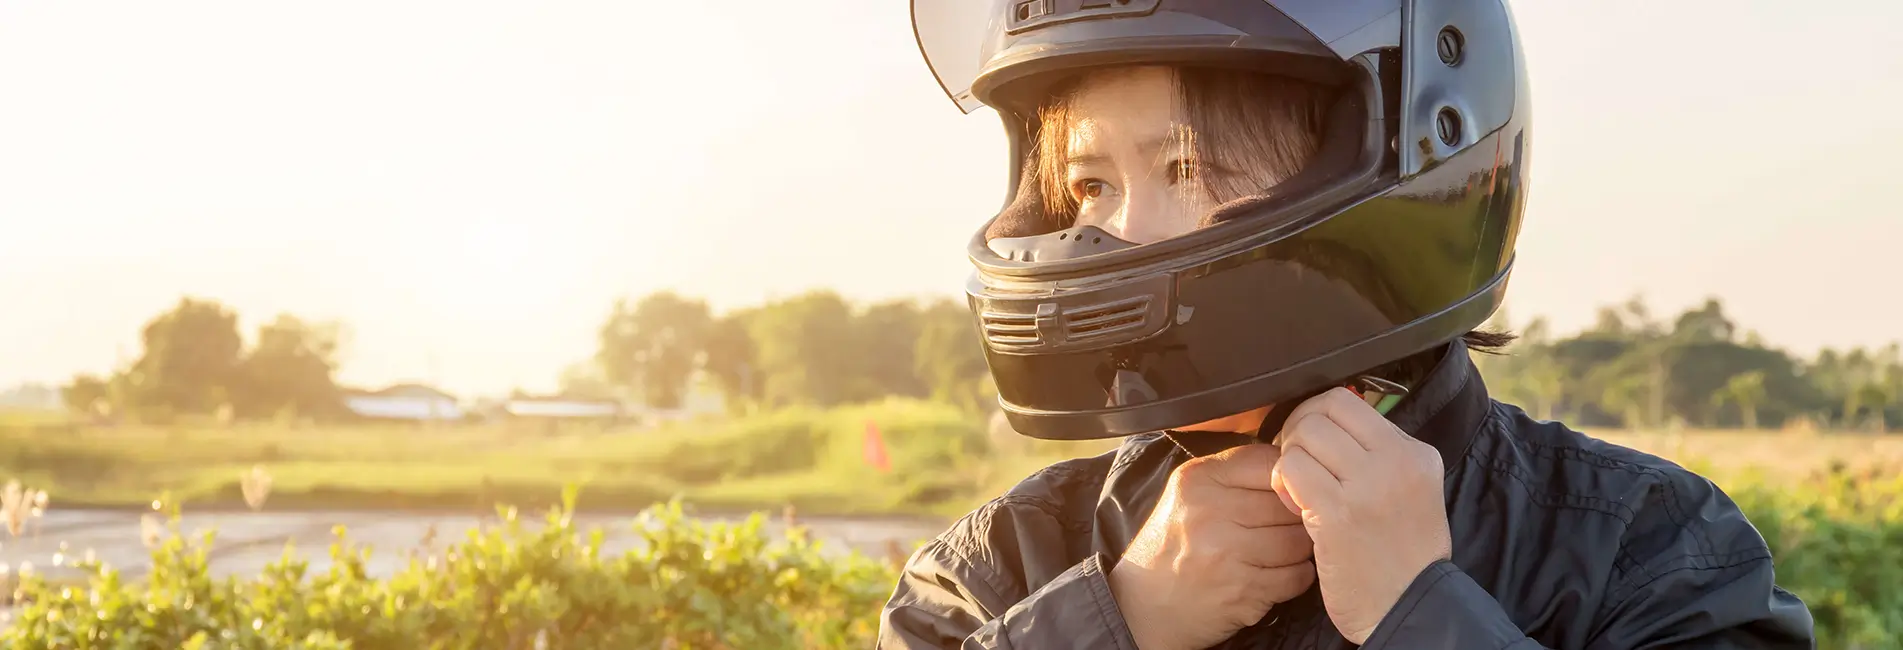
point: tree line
(813, 349)
(1698, 369)
(194, 363)
(816, 348)
(1629, 369)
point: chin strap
(1379, 393)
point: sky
(469, 185)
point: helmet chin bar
(1070, 243)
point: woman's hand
(1219, 550)
(1372, 499)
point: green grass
(807, 457)
(944, 461)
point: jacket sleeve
(1690, 571)
(1731, 607)
(944, 601)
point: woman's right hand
(1219, 551)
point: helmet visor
(965, 39)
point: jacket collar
(1445, 410)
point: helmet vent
(1111, 318)
(1052, 325)
(1010, 330)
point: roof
(413, 390)
(403, 407)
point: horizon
(469, 187)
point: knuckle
(1193, 470)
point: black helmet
(1395, 238)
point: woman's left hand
(1372, 499)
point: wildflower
(150, 531)
(13, 507)
(256, 485)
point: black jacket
(1560, 541)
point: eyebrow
(1152, 144)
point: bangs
(1248, 131)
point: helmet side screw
(1447, 123)
(1450, 44)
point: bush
(1838, 543)
(690, 586)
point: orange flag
(875, 449)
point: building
(404, 402)
(559, 408)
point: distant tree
(653, 346)
(586, 381)
(290, 372)
(807, 350)
(1706, 323)
(87, 395)
(950, 360)
(888, 340)
(190, 359)
(732, 360)
(1744, 390)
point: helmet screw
(1450, 45)
(1448, 124)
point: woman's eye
(1089, 188)
(1182, 171)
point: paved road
(248, 541)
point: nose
(1150, 213)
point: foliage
(289, 372)
(1838, 543)
(731, 358)
(653, 346)
(191, 356)
(1699, 369)
(951, 361)
(688, 585)
(195, 364)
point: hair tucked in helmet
(1253, 130)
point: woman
(1256, 238)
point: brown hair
(1253, 130)
(1266, 128)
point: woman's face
(1129, 165)
(1128, 162)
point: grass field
(945, 462)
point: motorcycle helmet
(1396, 236)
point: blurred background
(401, 265)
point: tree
(732, 360)
(190, 359)
(1707, 323)
(586, 381)
(290, 372)
(888, 337)
(653, 346)
(950, 359)
(1746, 391)
(806, 350)
(87, 395)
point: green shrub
(689, 586)
(1838, 543)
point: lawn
(944, 461)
